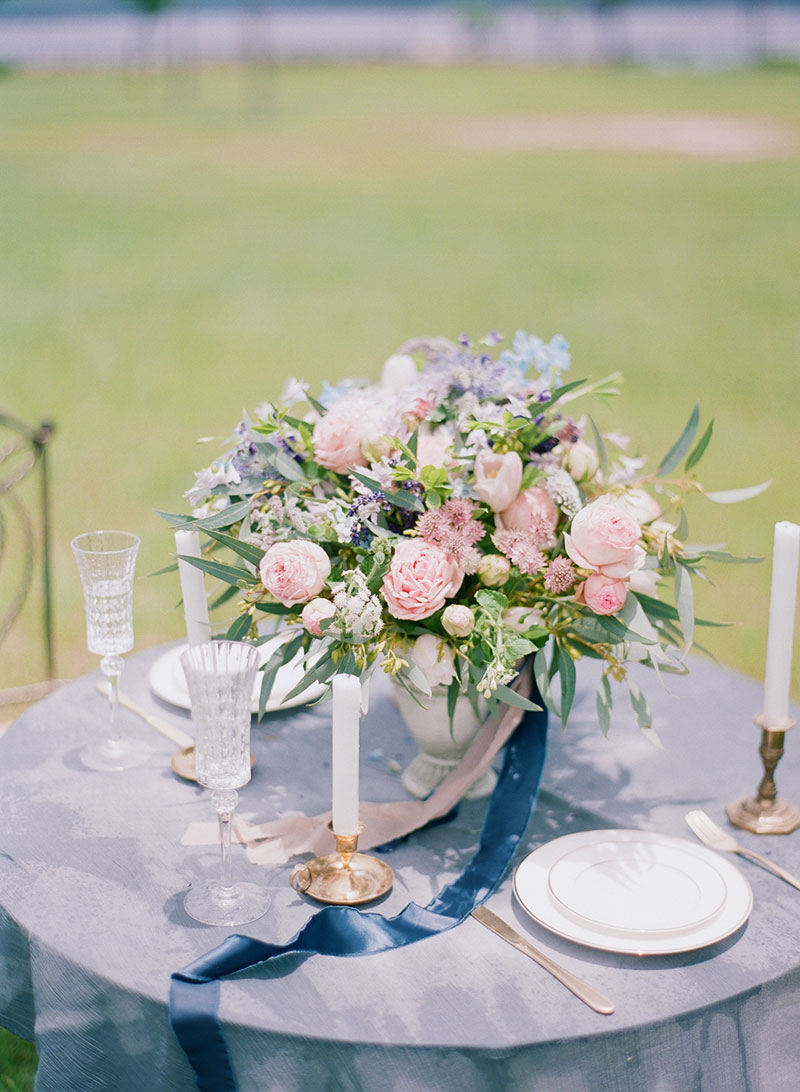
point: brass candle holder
(344, 877)
(764, 813)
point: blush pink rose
(603, 594)
(338, 435)
(498, 478)
(533, 510)
(432, 448)
(641, 505)
(419, 579)
(294, 572)
(604, 536)
(316, 611)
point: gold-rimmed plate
(609, 883)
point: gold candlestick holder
(344, 877)
(764, 813)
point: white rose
(458, 620)
(398, 372)
(644, 581)
(663, 533)
(434, 659)
(494, 570)
(581, 461)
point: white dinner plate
(168, 682)
(633, 891)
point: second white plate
(635, 884)
(168, 682)
(633, 891)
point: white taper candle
(783, 596)
(346, 691)
(193, 589)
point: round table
(92, 874)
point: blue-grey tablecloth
(92, 875)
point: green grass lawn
(174, 246)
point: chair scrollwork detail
(25, 529)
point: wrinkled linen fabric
(92, 875)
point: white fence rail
(704, 35)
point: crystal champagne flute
(106, 561)
(220, 676)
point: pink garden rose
(534, 510)
(603, 594)
(498, 478)
(419, 579)
(641, 505)
(604, 536)
(314, 612)
(338, 435)
(432, 447)
(295, 571)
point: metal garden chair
(25, 542)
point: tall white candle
(193, 589)
(783, 595)
(344, 766)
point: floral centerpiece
(456, 517)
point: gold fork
(707, 831)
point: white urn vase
(441, 747)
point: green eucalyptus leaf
(600, 444)
(273, 665)
(225, 518)
(684, 601)
(404, 498)
(530, 476)
(453, 691)
(246, 550)
(724, 558)
(566, 674)
(644, 717)
(286, 466)
(682, 530)
(699, 450)
(604, 703)
(511, 697)
(175, 519)
(733, 496)
(274, 608)
(228, 573)
(541, 674)
(639, 627)
(239, 628)
(682, 445)
(227, 593)
(416, 680)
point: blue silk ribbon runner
(345, 931)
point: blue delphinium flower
(550, 360)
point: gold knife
(588, 994)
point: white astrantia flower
(562, 488)
(359, 613)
